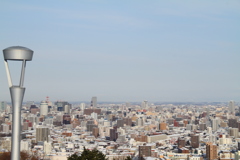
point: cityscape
(120, 80)
(56, 130)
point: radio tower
(47, 100)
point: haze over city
(125, 50)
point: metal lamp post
(23, 54)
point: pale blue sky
(125, 50)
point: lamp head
(17, 53)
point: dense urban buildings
(139, 130)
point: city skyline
(133, 51)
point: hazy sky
(125, 50)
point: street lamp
(16, 53)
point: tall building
(113, 135)
(144, 104)
(47, 147)
(82, 106)
(185, 122)
(66, 119)
(233, 132)
(8, 109)
(95, 132)
(128, 121)
(144, 151)
(48, 121)
(90, 125)
(42, 133)
(121, 139)
(202, 126)
(5, 128)
(6, 143)
(189, 127)
(66, 109)
(181, 142)
(195, 141)
(25, 125)
(236, 156)
(212, 138)
(120, 123)
(60, 105)
(215, 124)
(34, 109)
(94, 102)
(170, 121)
(232, 123)
(140, 121)
(128, 104)
(24, 145)
(238, 126)
(211, 151)
(163, 126)
(32, 118)
(231, 106)
(3, 106)
(94, 115)
(43, 108)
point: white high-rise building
(43, 108)
(24, 145)
(94, 115)
(209, 130)
(121, 131)
(101, 131)
(128, 104)
(47, 147)
(5, 128)
(84, 123)
(94, 102)
(59, 117)
(107, 123)
(3, 106)
(33, 118)
(225, 141)
(144, 104)
(231, 106)
(82, 106)
(194, 127)
(10, 117)
(67, 109)
(212, 138)
(6, 143)
(42, 133)
(189, 127)
(233, 132)
(8, 109)
(48, 121)
(121, 139)
(215, 124)
(140, 121)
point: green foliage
(88, 155)
(196, 151)
(128, 158)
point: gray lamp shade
(18, 53)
